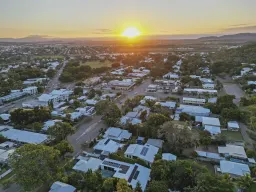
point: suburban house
(50, 123)
(87, 163)
(5, 117)
(132, 173)
(152, 88)
(62, 187)
(193, 101)
(144, 152)
(208, 86)
(171, 75)
(107, 146)
(4, 155)
(155, 142)
(34, 80)
(208, 156)
(117, 134)
(211, 125)
(234, 151)
(233, 126)
(233, 169)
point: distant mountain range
(38, 38)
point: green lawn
(98, 64)
(252, 188)
(233, 135)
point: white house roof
(233, 124)
(5, 116)
(233, 150)
(30, 88)
(50, 123)
(117, 134)
(150, 98)
(24, 136)
(132, 173)
(62, 187)
(133, 121)
(169, 157)
(214, 130)
(209, 155)
(211, 121)
(155, 142)
(146, 152)
(46, 97)
(85, 165)
(193, 99)
(200, 90)
(191, 109)
(233, 168)
(168, 104)
(61, 92)
(4, 154)
(91, 101)
(107, 145)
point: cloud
(240, 25)
(240, 29)
(102, 31)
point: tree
(178, 138)
(109, 185)
(91, 94)
(157, 119)
(184, 117)
(111, 113)
(64, 147)
(143, 115)
(244, 182)
(60, 131)
(205, 138)
(157, 186)
(77, 104)
(101, 106)
(34, 165)
(250, 153)
(78, 91)
(138, 187)
(211, 183)
(122, 186)
(50, 73)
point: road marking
(88, 129)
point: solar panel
(106, 142)
(136, 175)
(124, 169)
(112, 164)
(132, 174)
(144, 151)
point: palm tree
(245, 182)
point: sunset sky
(96, 18)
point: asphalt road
(85, 133)
(54, 83)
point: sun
(131, 32)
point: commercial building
(193, 101)
(30, 90)
(56, 96)
(21, 136)
(12, 96)
(193, 110)
(125, 84)
(132, 173)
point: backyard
(232, 135)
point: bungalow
(233, 169)
(233, 126)
(117, 134)
(144, 152)
(86, 111)
(50, 123)
(211, 124)
(91, 102)
(106, 96)
(5, 154)
(86, 164)
(107, 146)
(62, 187)
(196, 101)
(208, 156)
(132, 173)
(233, 151)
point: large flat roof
(24, 136)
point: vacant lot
(98, 64)
(233, 135)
